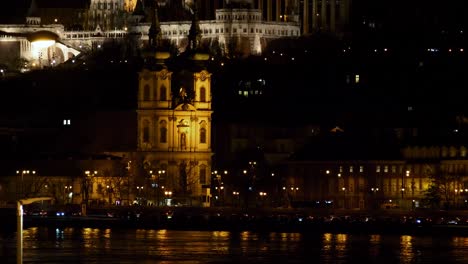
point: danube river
(88, 245)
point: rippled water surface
(86, 245)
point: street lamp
(374, 190)
(139, 188)
(167, 195)
(262, 196)
(86, 184)
(344, 197)
(160, 173)
(19, 224)
(22, 173)
(68, 193)
(109, 193)
(235, 195)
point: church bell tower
(174, 127)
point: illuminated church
(174, 121)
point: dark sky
(15, 11)
(449, 10)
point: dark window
(146, 93)
(203, 174)
(163, 135)
(203, 135)
(146, 133)
(202, 94)
(163, 95)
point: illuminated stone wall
(233, 30)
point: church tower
(174, 127)
(33, 17)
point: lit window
(66, 122)
(377, 169)
(351, 168)
(385, 168)
(356, 78)
(361, 168)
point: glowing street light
(22, 173)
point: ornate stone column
(269, 10)
(305, 17)
(344, 9)
(260, 4)
(314, 14)
(323, 14)
(332, 15)
(278, 10)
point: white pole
(19, 224)
(19, 234)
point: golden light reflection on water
(341, 245)
(374, 245)
(334, 246)
(406, 249)
(30, 232)
(161, 234)
(221, 234)
(375, 239)
(246, 236)
(88, 245)
(89, 235)
(460, 242)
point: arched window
(146, 135)
(203, 135)
(202, 94)
(163, 132)
(203, 174)
(163, 93)
(146, 93)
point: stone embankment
(259, 219)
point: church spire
(33, 16)
(194, 36)
(139, 12)
(154, 34)
(33, 11)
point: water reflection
(406, 249)
(88, 245)
(334, 248)
(374, 246)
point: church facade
(174, 133)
